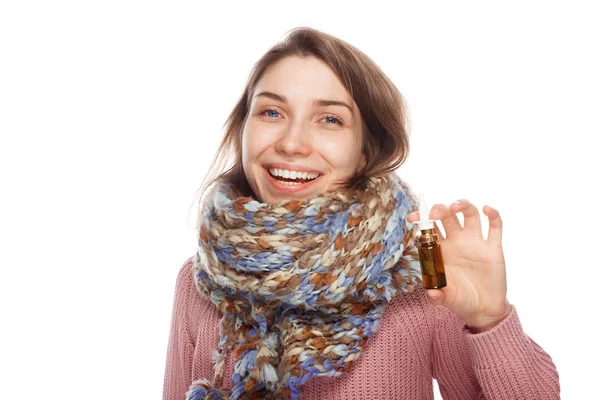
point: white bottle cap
(423, 222)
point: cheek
(343, 153)
(252, 143)
(255, 141)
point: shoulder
(185, 281)
(192, 307)
(186, 287)
(185, 270)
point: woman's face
(303, 134)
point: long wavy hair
(382, 107)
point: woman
(306, 278)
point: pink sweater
(416, 342)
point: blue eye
(269, 112)
(332, 119)
(329, 120)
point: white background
(110, 112)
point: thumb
(436, 296)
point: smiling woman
(308, 238)
(309, 81)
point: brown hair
(381, 105)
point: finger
(449, 220)
(414, 217)
(495, 232)
(470, 213)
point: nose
(294, 140)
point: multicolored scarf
(302, 284)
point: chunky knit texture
(302, 284)
(417, 342)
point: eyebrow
(318, 102)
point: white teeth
(284, 173)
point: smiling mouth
(288, 181)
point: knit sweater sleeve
(501, 363)
(180, 350)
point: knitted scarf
(301, 284)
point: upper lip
(291, 167)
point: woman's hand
(475, 269)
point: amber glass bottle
(432, 264)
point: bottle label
(427, 258)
